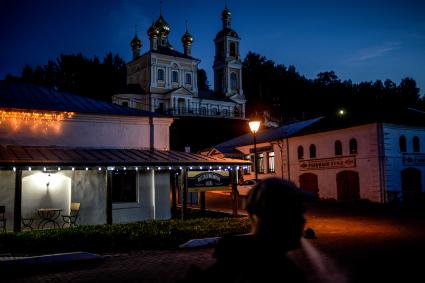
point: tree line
(275, 88)
(288, 95)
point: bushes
(153, 234)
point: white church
(165, 81)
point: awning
(12, 155)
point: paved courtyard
(354, 244)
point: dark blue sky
(362, 40)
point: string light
(36, 120)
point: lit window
(160, 74)
(312, 151)
(402, 144)
(353, 146)
(175, 77)
(247, 169)
(416, 144)
(271, 167)
(300, 152)
(338, 148)
(124, 186)
(188, 79)
(260, 162)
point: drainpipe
(381, 159)
(280, 145)
(151, 134)
(287, 159)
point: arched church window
(233, 81)
(160, 74)
(232, 48)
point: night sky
(362, 40)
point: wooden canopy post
(234, 180)
(174, 181)
(18, 201)
(202, 201)
(184, 192)
(109, 197)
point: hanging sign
(208, 181)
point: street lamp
(254, 126)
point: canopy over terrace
(18, 156)
(22, 162)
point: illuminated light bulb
(136, 168)
(87, 169)
(73, 169)
(148, 168)
(200, 167)
(190, 167)
(44, 169)
(29, 168)
(14, 169)
(180, 168)
(159, 168)
(169, 168)
(125, 168)
(59, 168)
(100, 169)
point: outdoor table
(48, 215)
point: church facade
(164, 80)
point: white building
(378, 161)
(165, 80)
(58, 148)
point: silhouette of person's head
(276, 210)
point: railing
(182, 111)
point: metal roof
(20, 95)
(13, 155)
(268, 135)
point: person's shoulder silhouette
(276, 211)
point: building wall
(367, 161)
(45, 190)
(7, 195)
(89, 189)
(89, 131)
(394, 157)
(153, 199)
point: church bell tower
(227, 62)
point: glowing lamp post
(254, 126)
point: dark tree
(203, 83)
(80, 75)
